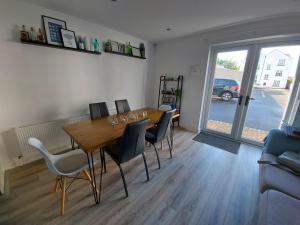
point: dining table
(94, 135)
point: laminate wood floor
(201, 185)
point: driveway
(264, 113)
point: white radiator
(50, 133)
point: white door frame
(254, 47)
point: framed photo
(68, 38)
(52, 28)
(115, 46)
(136, 52)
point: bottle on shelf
(86, 44)
(32, 34)
(92, 44)
(80, 43)
(24, 35)
(142, 50)
(129, 49)
(40, 36)
(96, 45)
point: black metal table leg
(72, 143)
(102, 155)
(172, 135)
(101, 173)
(91, 165)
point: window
(281, 62)
(276, 83)
(231, 83)
(268, 66)
(278, 73)
(266, 77)
(219, 82)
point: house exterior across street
(273, 70)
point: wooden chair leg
(63, 195)
(161, 145)
(56, 184)
(87, 175)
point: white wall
(39, 84)
(178, 55)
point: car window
(219, 82)
(232, 82)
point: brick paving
(248, 133)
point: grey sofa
(280, 200)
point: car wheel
(226, 96)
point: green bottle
(129, 49)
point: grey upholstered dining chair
(66, 165)
(170, 130)
(98, 110)
(122, 106)
(158, 133)
(130, 145)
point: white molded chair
(66, 165)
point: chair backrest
(165, 107)
(122, 106)
(170, 122)
(49, 158)
(98, 110)
(133, 140)
(162, 125)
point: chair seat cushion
(279, 209)
(272, 177)
(72, 161)
(150, 135)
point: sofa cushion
(291, 160)
(279, 209)
(272, 177)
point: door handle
(248, 98)
(240, 99)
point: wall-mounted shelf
(119, 53)
(59, 47)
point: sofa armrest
(277, 142)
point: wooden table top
(92, 135)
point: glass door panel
(274, 78)
(227, 79)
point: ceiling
(149, 19)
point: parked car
(226, 88)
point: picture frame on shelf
(115, 46)
(52, 29)
(68, 38)
(136, 52)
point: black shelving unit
(59, 47)
(123, 54)
(170, 93)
